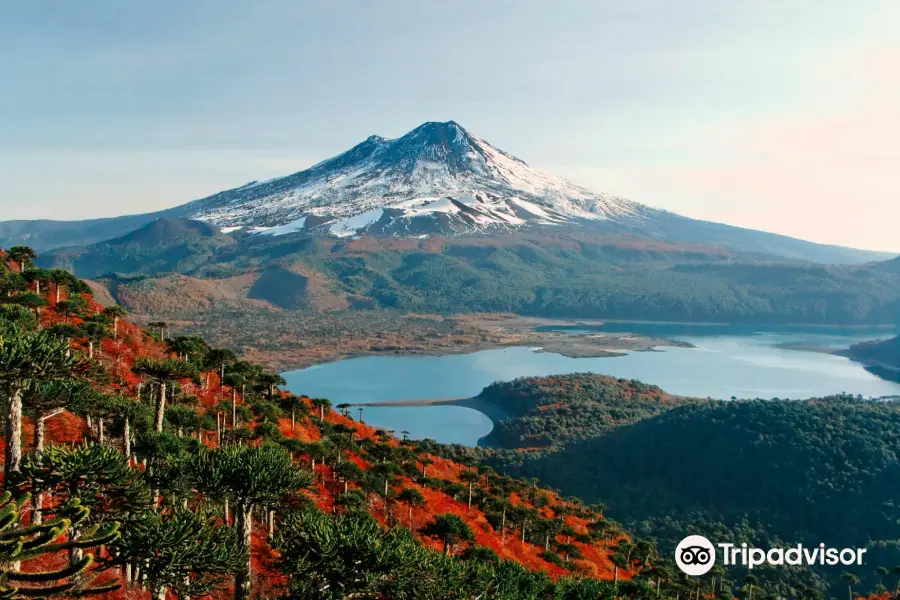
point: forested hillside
(758, 471)
(145, 462)
(545, 273)
(881, 357)
(551, 411)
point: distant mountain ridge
(438, 179)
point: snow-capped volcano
(437, 178)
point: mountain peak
(436, 178)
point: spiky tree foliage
(185, 550)
(133, 414)
(25, 359)
(15, 318)
(10, 283)
(21, 256)
(161, 327)
(411, 497)
(62, 278)
(183, 419)
(168, 463)
(450, 529)
(75, 305)
(254, 476)
(321, 404)
(293, 404)
(38, 277)
(333, 558)
(33, 302)
(94, 333)
(161, 372)
(96, 477)
(270, 382)
(22, 543)
(189, 348)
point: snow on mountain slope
(435, 179)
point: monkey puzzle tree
(44, 400)
(322, 404)
(26, 359)
(450, 529)
(352, 556)
(851, 580)
(189, 348)
(60, 278)
(115, 312)
(75, 305)
(33, 302)
(37, 277)
(185, 550)
(22, 543)
(255, 476)
(98, 478)
(412, 497)
(216, 359)
(21, 256)
(294, 404)
(161, 372)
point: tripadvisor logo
(696, 555)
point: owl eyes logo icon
(695, 555)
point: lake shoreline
(507, 332)
(396, 388)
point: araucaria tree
(161, 372)
(450, 529)
(182, 549)
(19, 542)
(254, 476)
(27, 358)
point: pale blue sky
(775, 114)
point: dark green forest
(765, 472)
(546, 275)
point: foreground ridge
(197, 475)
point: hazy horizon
(779, 117)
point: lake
(721, 365)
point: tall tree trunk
(233, 408)
(293, 419)
(503, 527)
(57, 293)
(126, 437)
(100, 433)
(161, 407)
(13, 434)
(244, 514)
(470, 494)
(115, 328)
(40, 432)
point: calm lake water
(742, 364)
